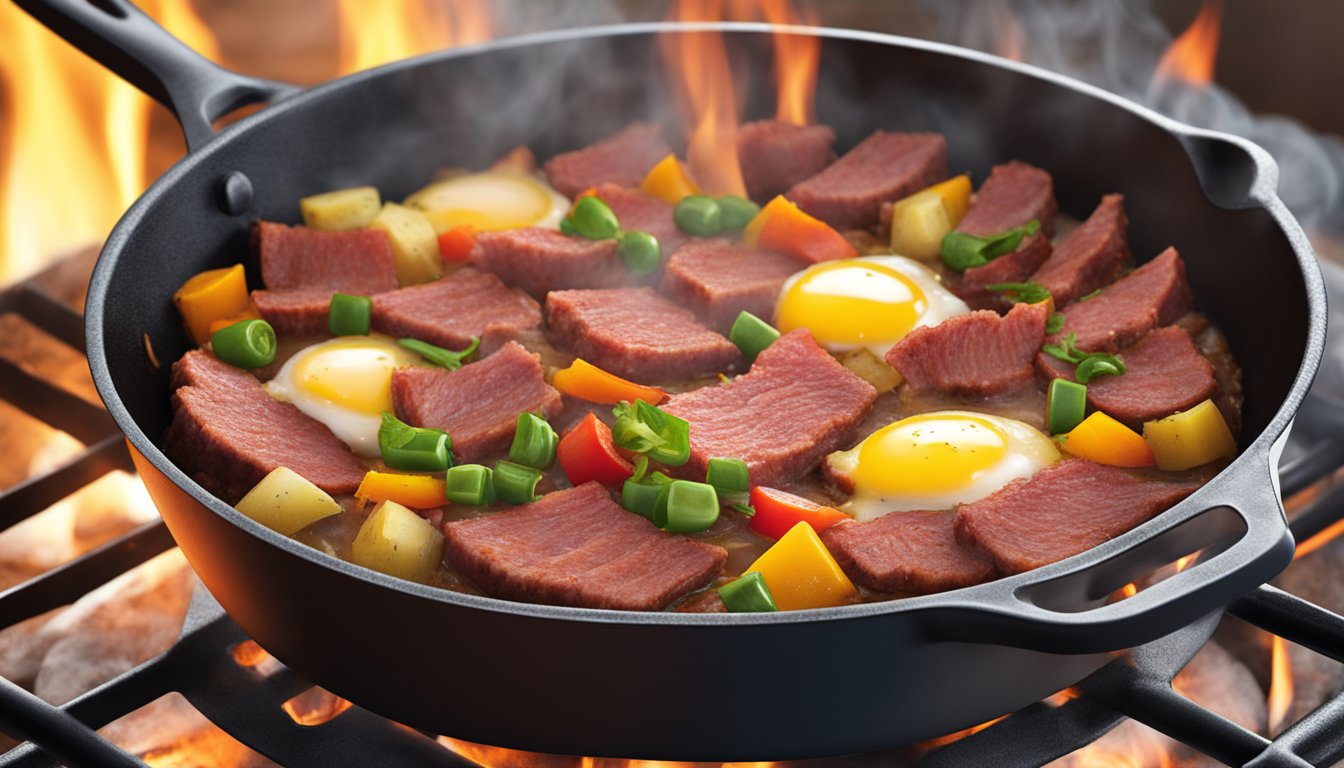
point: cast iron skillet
(667, 685)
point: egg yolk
(929, 454)
(354, 375)
(486, 201)
(852, 302)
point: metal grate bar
(25, 716)
(1030, 737)
(87, 422)
(47, 312)
(1293, 618)
(1323, 458)
(22, 501)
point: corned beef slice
(638, 211)
(1012, 267)
(1153, 295)
(228, 434)
(451, 310)
(1092, 256)
(775, 155)
(578, 547)
(793, 407)
(622, 158)
(718, 279)
(1066, 509)
(637, 334)
(883, 167)
(539, 260)
(912, 552)
(1164, 373)
(975, 355)
(355, 261)
(1014, 194)
(296, 312)
(478, 404)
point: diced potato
(873, 370)
(918, 225)
(956, 196)
(398, 542)
(286, 502)
(415, 245)
(1190, 438)
(341, 209)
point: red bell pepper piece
(783, 227)
(456, 245)
(587, 452)
(777, 512)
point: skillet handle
(1068, 607)
(119, 36)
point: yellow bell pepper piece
(212, 295)
(956, 196)
(801, 573)
(1190, 438)
(1104, 440)
(414, 491)
(669, 181)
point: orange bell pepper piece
(456, 244)
(782, 226)
(414, 491)
(669, 181)
(212, 295)
(250, 313)
(586, 381)
(1104, 440)
(587, 452)
(777, 512)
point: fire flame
(796, 60)
(1280, 685)
(377, 33)
(1319, 540)
(1194, 52)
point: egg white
(1027, 452)
(491, 200)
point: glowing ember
(1280, 684)
(796, 61)
(377, 33)
(1192, 55)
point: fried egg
(346, 384)
(491, 200)
(937, 461)
(866, 303)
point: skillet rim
(1260, 454)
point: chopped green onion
(1065, 406)
(1090, 296)
(470, 484)
(748, 594)
(443, 358)
(728, 475)
(752, 335)
(961, 251)
(736, 212)
(743, 509)
(1021, 293)
(1066, 350)
(567, 227)
(533, 442)
(690, 507)
(515, 483)
(349, 315)
(641, 498)
(644, 428)
(594, 219)
(699, 215)
(641, 466)
(247, 344)
(639, 251)
(1054, 323)
(414, 449)
(1098, 364)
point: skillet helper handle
(1068, 607)
(119, 36)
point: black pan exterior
(722, 687)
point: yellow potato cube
(286, 502)
(918, 225)
(341, 209)
(1190, 438)
(801, 573)
(415, 244)
(398, 542)
(873, 370)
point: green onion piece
(1065, 406)
(515, 483)
(443, 358)
(748, 594)
(645, 428)
(533, 442)
(470, 484)
(567, 227)
(1066, 350)
(1054, 323)
(728, 475)
(736, 212)
(349, 315)
(639, 252)
(247, 344)
(641, 466)
(752, 335)
(414, 449)
(1090, 296)
(641, 498)
(961, 251)
(1021, 293)
(691, 507)
(699, 215)
(594, 219)
(1098, 364)
(743, 509)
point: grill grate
(248, 705)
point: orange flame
(377, 33)
(796, 60)
(1280, 685)
(699, 64)
(1320, 540)
(1011, 39)
(1192, 55)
